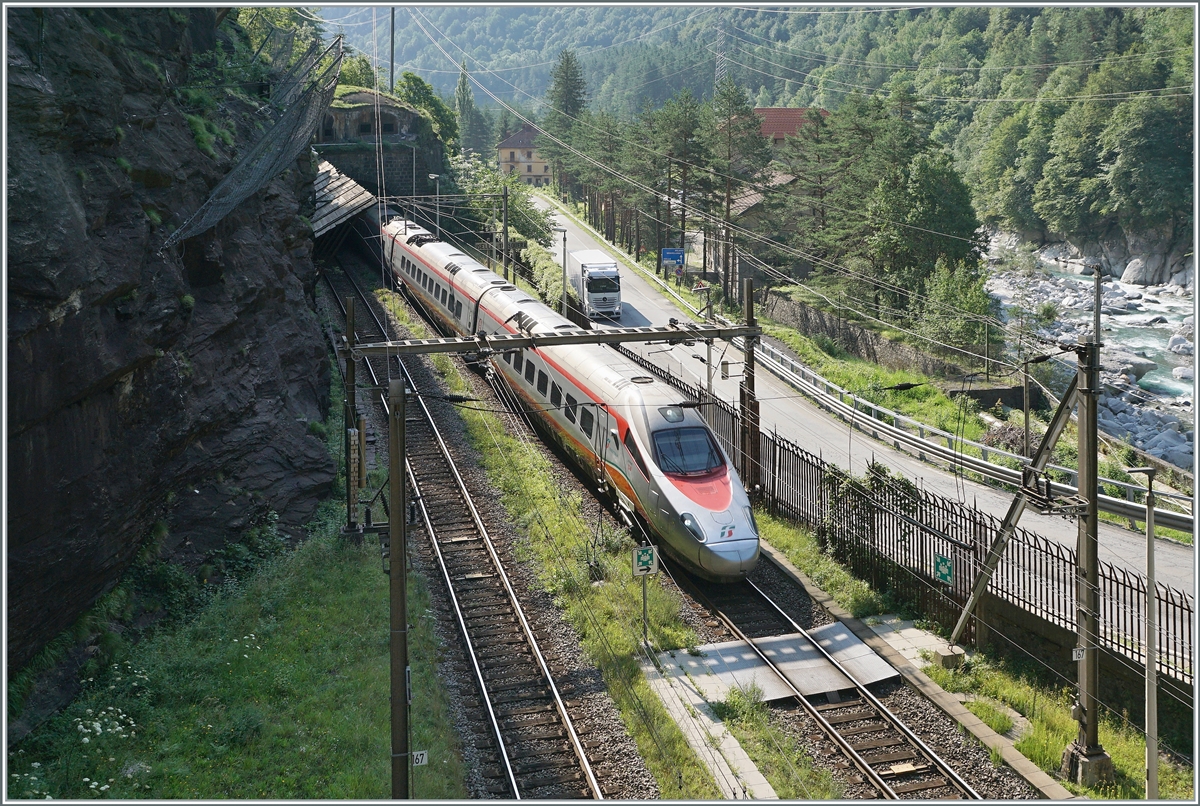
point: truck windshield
(604, 285)
(689, 451)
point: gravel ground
(615, 757)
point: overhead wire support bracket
(505, 341)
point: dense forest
(1063, 120)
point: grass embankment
(277, 688)
(1017, 685)
(1024, 686)
(780, 758)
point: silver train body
(622, 426)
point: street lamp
(563, 230)
(1151, 641)
(438, 190)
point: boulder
(1137, 273)
(1184, 373)
(1115, 359)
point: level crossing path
(794, 417)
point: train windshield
(604, 285)
(687, 451)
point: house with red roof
(779, 122)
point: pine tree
(739, 157)
(566, 99)
(474, 133)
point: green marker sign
(645, 561)
(943, 569)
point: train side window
(585, 420)
(632, 447)
(458, 310)
(570, 409)
(444, 296)
(555, 395)
(518, 359)
(507, 358)
(541, 385)
(530, 370)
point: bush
(188, 302)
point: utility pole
(401, 675)
(350, 417)
(392, 52)
(505, 227)
(1085, 761)
(1150, 641)
(749, 402)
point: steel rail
(497, 732)
(848, 751)
(942, 766)
(560, 705)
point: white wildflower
(86, 740)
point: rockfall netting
(279, 146)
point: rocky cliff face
(143, 387)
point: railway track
(533, 749)
(887, 755)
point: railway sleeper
(833, 706)
(525, 709)
(887, 758)
(554, 780)
(495, 629)
(877, 727)
(521, 695)
(919, 786)
(535, 752)
(549, 717)
(517, 684)
(500, 662)
(495, 639)
(853, 716)
(536, 722)
(875, 744)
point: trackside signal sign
(943, 569)
(645, 561)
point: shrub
(188, 302)
(124, 165)
(204, 139)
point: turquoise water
(1149, 340)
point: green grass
(780, 758)
(800, 546)
(277, 688)
(992, 716)
(202, 134)
(558, 532)
(926, 404)
(1052, 729)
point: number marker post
(645, 563)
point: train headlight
(693, 526)
(750, 517)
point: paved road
(792, 416)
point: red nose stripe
(711, 492)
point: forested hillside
(1064, 120)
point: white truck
(597, 282)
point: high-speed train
(620, 425)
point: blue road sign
(673, 257)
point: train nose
(731, 558)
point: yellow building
(516, 154)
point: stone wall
(359, 162)
(1011, 631)
(854, 339)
